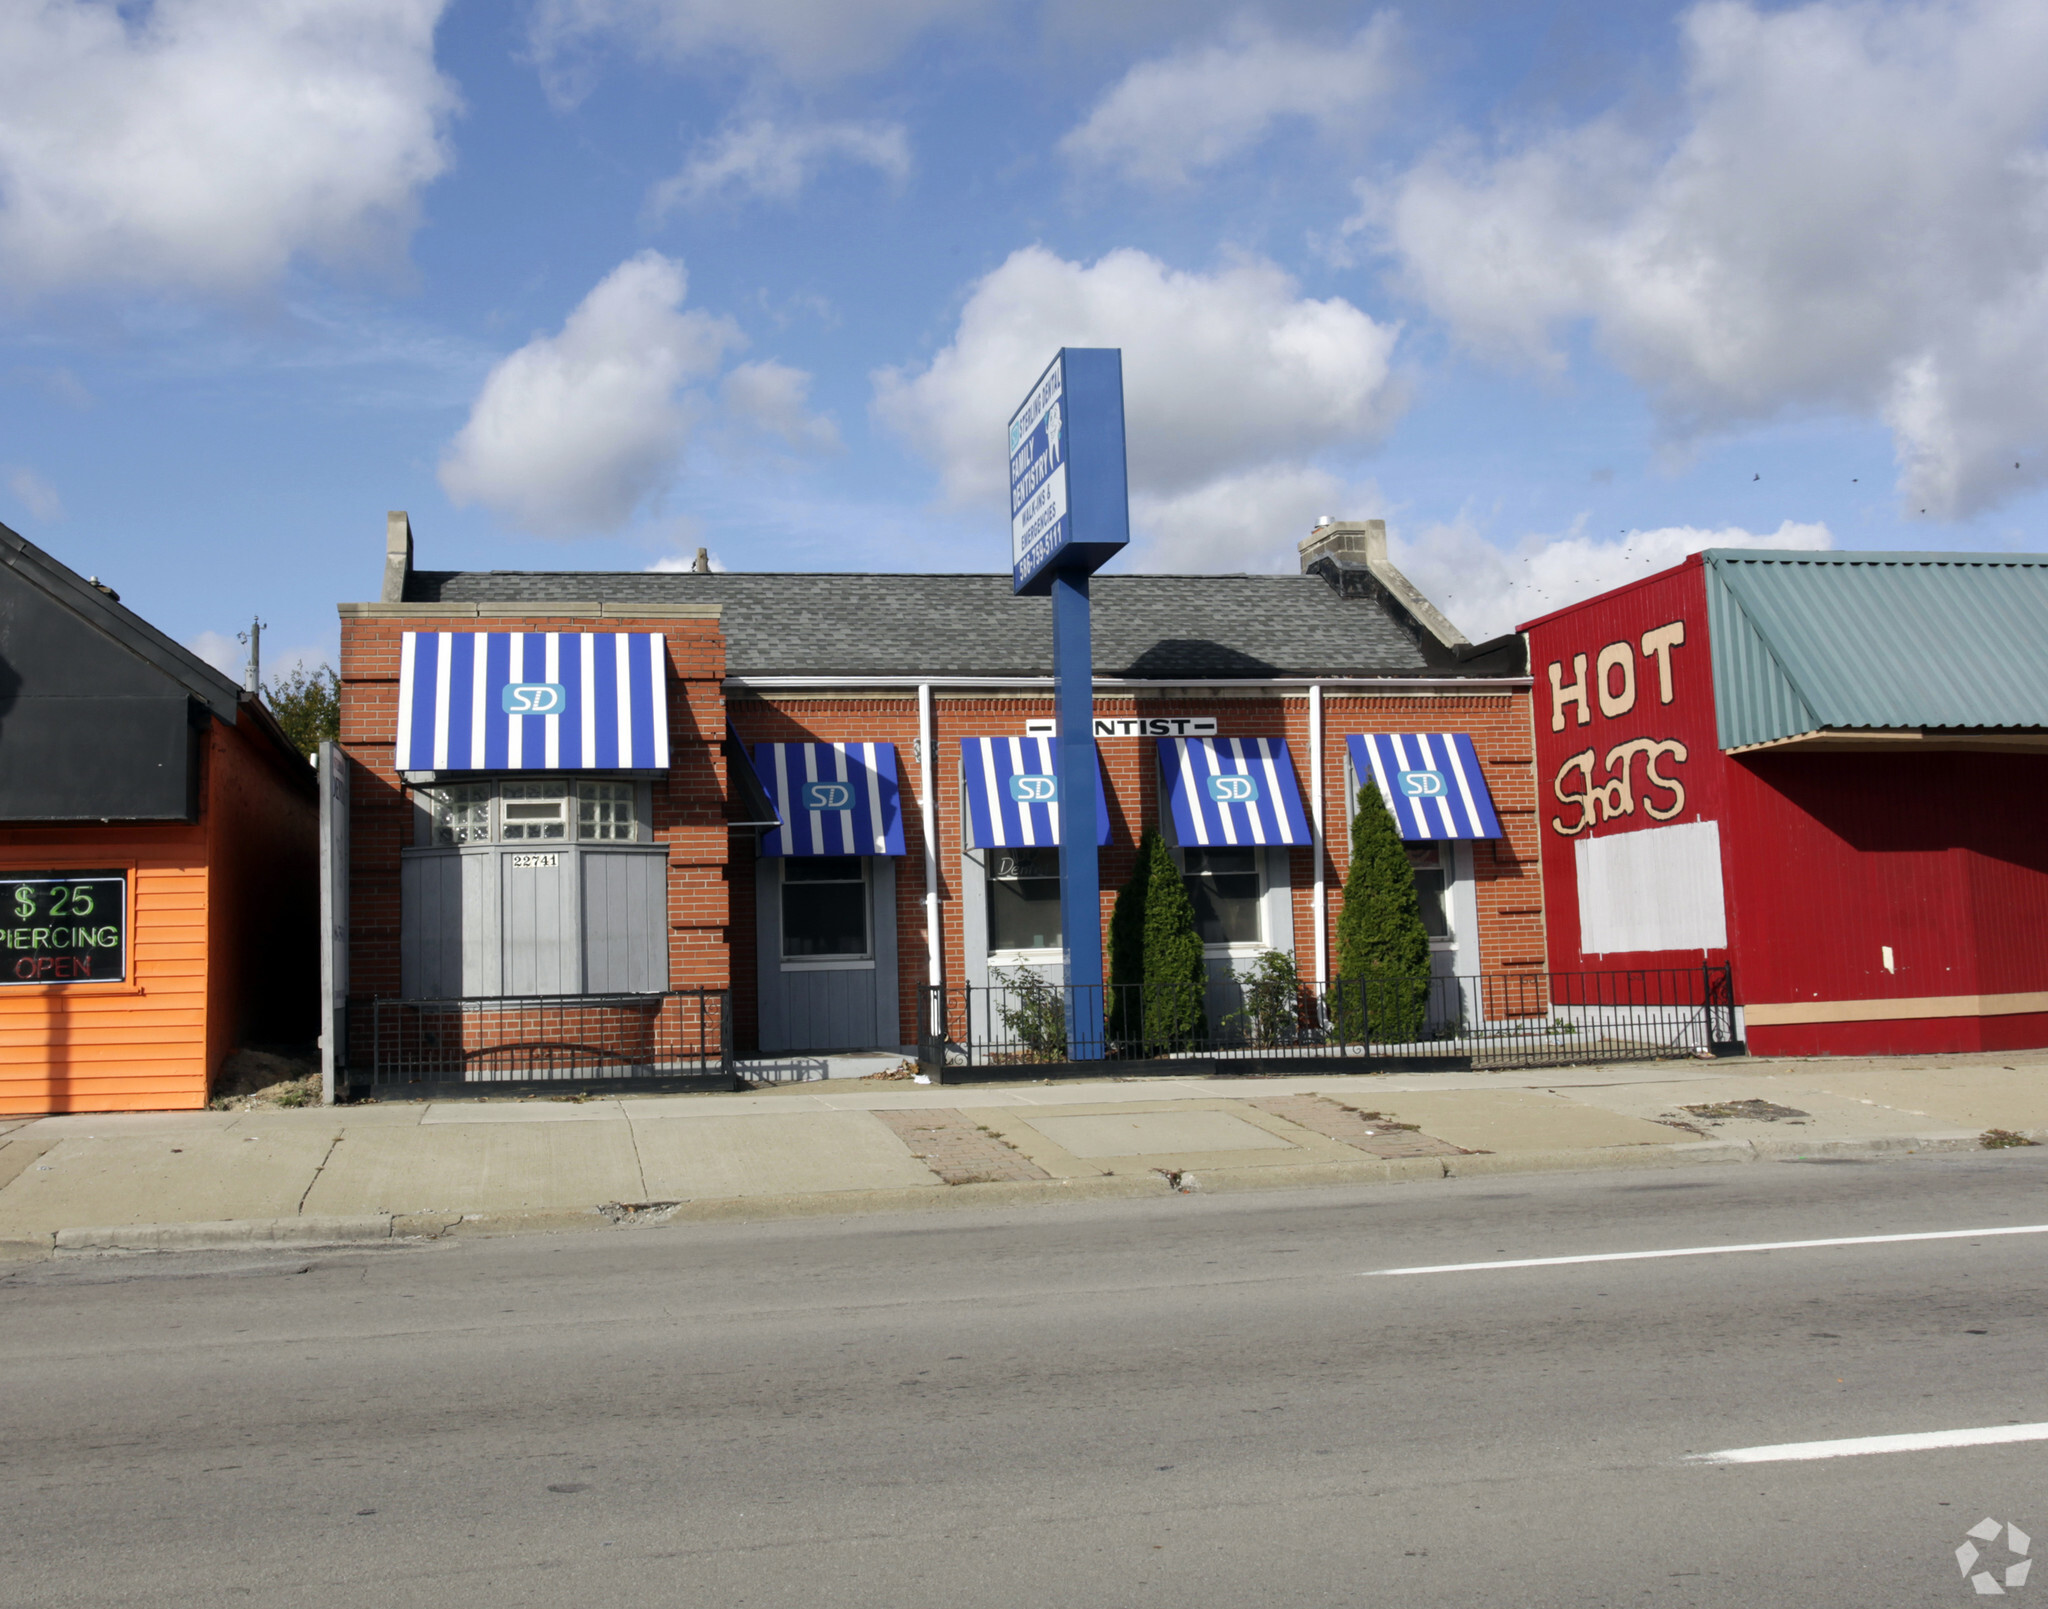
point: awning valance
(1232, 790)
(532, 701)
(833, 798)
(1013, 796)
(1430, 780)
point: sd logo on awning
(827, 796)
(1228, 789)
(533, 698)
(1029, 789)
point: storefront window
(1224, 886)
(1432, 882)
(462, 813)
(604, 811)
(824, 908)
(535, 810)
(1023, 899)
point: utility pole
(252, 677)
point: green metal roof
(1809, 642)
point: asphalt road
(1190, 1402)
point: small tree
(1127, 952)
(1382, 946)
(1175, 978)
(307, 705)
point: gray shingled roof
(1155, 626)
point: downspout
(1315, 783)
(935, 965)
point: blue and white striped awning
(833, 798)
(532, 701)
(1012, 793)
(1430, 780)
(1232, 790)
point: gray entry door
(824, 984)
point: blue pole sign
(1069, 505)
(1070, 515)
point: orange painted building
(158, 857)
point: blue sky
(1561, 291)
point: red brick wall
(688, 812)
(1509, 890)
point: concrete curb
(227, 1232)
(446, 1224)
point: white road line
(1858, 1446)
(1705, 1251)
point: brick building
(849, 797)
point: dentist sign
(1068, 504)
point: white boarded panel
(1659, 889)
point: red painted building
(1823, 768)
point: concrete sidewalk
(374, 1172)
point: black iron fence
(679, 1039)
(1029, 1027)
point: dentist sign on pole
(1070, 515)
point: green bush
(1272, 1002)
(1382, 946)
(1175, 978)
(1035, 1012)
(1127, 955)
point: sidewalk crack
(325, 1156)
(639, 1167)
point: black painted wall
(89, 731)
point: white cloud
(59, 384)
(1224, 373)
(776, 398)
(221, 651)
(34, 493)
(1203, 104)
(807, 38)
(207, 144)
(774, 162)
(227, 653)
(1487, 590)
(572, 433)
(1852, 215)
(1252, 521)
(681, 564)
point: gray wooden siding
(474, 924)
(542, 955)
(625, 920)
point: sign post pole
(1069, 515)
(1073, 671)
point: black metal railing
(1026, 1026)
(500, 1043)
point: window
(534, 810)
(1432, 886)
(1023, 899)
(461, 814)
(824, 908)
(604, 811)
(1224, 886)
